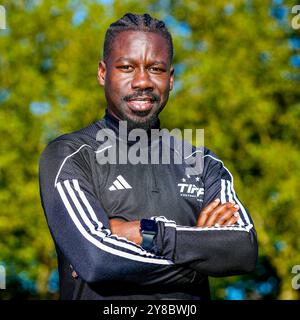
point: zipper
(154, 179)
(153, 191)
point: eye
(156, 70)
(126, 68)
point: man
(138, 231)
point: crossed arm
(215, 213)
(100, 249)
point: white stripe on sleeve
(95, 241)
(243, 210)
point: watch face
(148, 225)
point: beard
(142, 119)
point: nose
(141, 81)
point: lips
(140, 104)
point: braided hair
(136, 22)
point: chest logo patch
(190, 190)
(120, 184)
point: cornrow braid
(136, 22)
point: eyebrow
(124, 59)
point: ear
(101, 72)
(171, 81)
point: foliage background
(237, 76)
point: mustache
(142, 93)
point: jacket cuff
(164, 243)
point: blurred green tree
(237, 74)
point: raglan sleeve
(80, 226)
(213, 251)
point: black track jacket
(79, 196)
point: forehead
(139, 45)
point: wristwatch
(149, 230)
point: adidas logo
(119, 184)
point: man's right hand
(216, 214)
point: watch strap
(147, 242)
